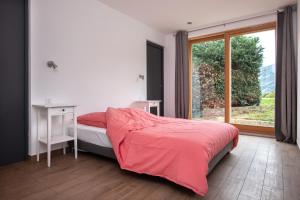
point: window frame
(226, 35)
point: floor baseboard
(257, 134)
(54, 153)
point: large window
(233, 78)
(253, 78)
(208, 80)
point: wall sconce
(51, 64)
(141, 77)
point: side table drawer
(153, 104)
(61, 111)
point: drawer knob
(63, 110)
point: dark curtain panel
(182, 76)
(286, 79)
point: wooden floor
(259, 168)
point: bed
(94, 140)
(182, 151)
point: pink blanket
(176, 149)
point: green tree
(247, 58)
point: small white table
(146, 105)
(55, 110)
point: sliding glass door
(208, 80)
(253, 79)
(233, 78)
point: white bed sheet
(92, 135)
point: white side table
(55, 110)
(146, 105)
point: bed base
(215, 161)
(96, 149)
(108, 152)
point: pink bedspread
(176, 149)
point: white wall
(169, 76)
(99, 52)
(170, 50)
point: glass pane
(208, 80)
(253, 79)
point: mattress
(91, 134)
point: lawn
(262, 114)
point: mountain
(267, 78)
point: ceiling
(169, 16)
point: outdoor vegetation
(248, 103)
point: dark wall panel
(13, 81)
(155, 74)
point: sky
(267, 41)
